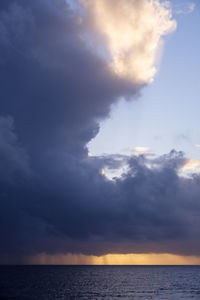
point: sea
(100, 282)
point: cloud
(191, 165)
(184, 8)
(133, 31)
(14, 159)
(53, 196)
(56, 90)
(140, 150)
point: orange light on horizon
(113, 259)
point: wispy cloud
(184, 8)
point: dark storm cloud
(53, 197)
(13, 158)
(49, 79)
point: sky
(99, 135)
(175, 91)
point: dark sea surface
(99, 282)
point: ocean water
(99, 282)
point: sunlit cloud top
(140, 150)
(133, 32)
(191, 165)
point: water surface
(100, 282)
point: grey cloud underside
(53, 197)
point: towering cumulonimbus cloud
(54, 90)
